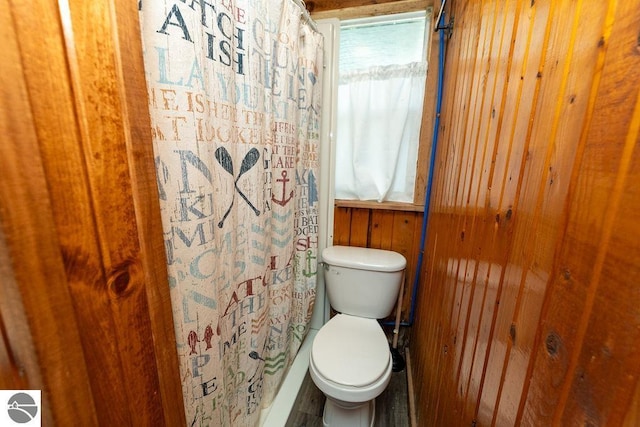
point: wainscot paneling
(398, 231)
(528, 304)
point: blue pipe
(432, 161)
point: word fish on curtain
(234, 93)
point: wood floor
(392, 409)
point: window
(382, 68)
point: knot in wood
(553, 344)
(119, 282)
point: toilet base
(360, 416)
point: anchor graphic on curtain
(284, 200)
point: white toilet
(350, 357)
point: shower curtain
(234, 92)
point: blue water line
(432, 161)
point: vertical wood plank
(59, 138)
(461, 231)
(87, 209)
(381, 229)
(569, 364)
(342, 226)
(454, 266)
(40, 330)
(432, 332)
(544, 196)
(359, 233)
(494, 233)
(108, 149)
(632, 417)
(412, 261)
(403, 243)
(526, 72)
(469, 222)
(129, 66)
(612, 296)
(428, 115)
(480, 356)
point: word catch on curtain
(234, 93)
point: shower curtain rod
(305, 14)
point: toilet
(350, 359)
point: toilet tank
(362, 282)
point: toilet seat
(351, 351)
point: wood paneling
(349, 10)
(84, 307)
(324, 5)
(398, 231)
(528, 306)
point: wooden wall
(315, 6)
(528, 313)
(85, 314)
(398, 231)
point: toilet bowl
(350, 360)
(351, 364)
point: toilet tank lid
(364, 258)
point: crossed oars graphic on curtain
(250, 159)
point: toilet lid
(351, 350)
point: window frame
(428, 109)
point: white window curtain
(379, 116)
